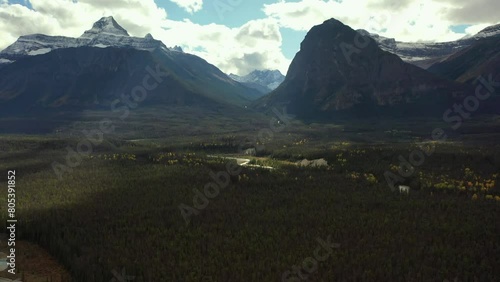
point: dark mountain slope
(483, 58)
(74, 79)
(324, 82)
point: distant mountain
(426, 54)
(323, 83)
(263, 80)
(482, 58)
(51, 74)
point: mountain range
(332, 76)
(264, 81)
(53, 74)
(104, 33)
(426, 54)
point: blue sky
(239, 36)
(234, 16)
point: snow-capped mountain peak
(424, 54)
(106, 32)
(106, 26)
(489, 31)
(177, 49)
(262, 80)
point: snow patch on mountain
(39, 51)
(101, 46)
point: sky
(239, 36)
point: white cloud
(254, 45)
(68, 18)
(405, 20)
(189, 5)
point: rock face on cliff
(338, 72)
